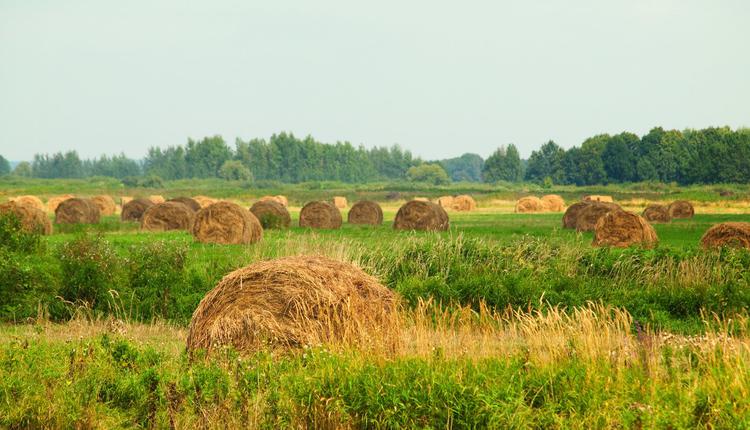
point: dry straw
(681, 209)
(271, 214)
(340, 202)
(729, 234)
(623, 229)
(106, 204)
(446, 202)
(553, 203)
(54, 202)
(365, 212)
(656, 213)
(590, 214)
(320, 214)
(156, 199)
(77, 211)
(282, 200)
(570, 218)
(419, 215)
(464, 203)
(529, 204)
(32, 219)
(187, 201)
(134, 209)
(31, 201)
(204, 201)
(226, 223)
(167, 216)
(597, 198)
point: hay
(30, 201)
(727, 234)
(283, 200)
(320, 215)
(106, 204)
(77, 211)
(167, 216)
(294, 302)
(529, 204)
(226, 223)
(204, 201)
(553, 203)
(187, 201)
(656, 213)
(571, 214)
(134, 209)
(340, 202)
(125, 200)
(589, 215)
(464, 203)
(445, 202)
(32, 219)
(271, 214)
(681, 209)
(622, 229)
(596, 198)
(54, 202)
(156, 199)
(421, 199)
(278, 199)
(365, 212)
(419, 215)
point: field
(508, 321)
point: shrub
(90, 270)
(14, 239)
(429, 173)
(234, 170)
(28, 285)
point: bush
(429, 173)
(151, 181)
(234, 170)
(14, 239)
(28, 285)
(89, 271)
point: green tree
(4, 166)
(429, 173)
(467, 167)
(23, 169)
(619, 157)
(546, 163)
(503, 165)
(234, 170)
(204, 158)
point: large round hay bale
(167, 216)
(622, 229)
(571, 214)
(464, 203)
(419, 215)
(106, 204)
(320, 215)
(293, 302)
(681, 209)
(597, 198)
(271, 214)
(77, 211)
(529, 204)
(55, 201)
(156, 199)
(365, 212)
(187, 201)
(340, 202)
(124, 200)
(226, 223)
(32, 220)
(31, 201)
(589, 215)
(134, 209)
(727, 234)
(445, 202)
(656, 213)
(282, 200)
(204, 201)
(553, 203)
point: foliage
(13, 238)
(4, 166)
(234, 170)
(150, 181)
(428, 173)
(23, 169)
(503, 165)
(90, 270)
(467, 167)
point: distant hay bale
(421, 199)
(155, 199)
(727, 234)
(622, 229)
(294, 302)
(596, 198)
(589, 215)
(445, 202)
(134, 209)
(529, 204)
(77, 211)
(571, 214)
(124, 200)
(340, 202)
(226, 223)
(365, 212)
(271, 214)
(681, 209)
(187, 201)
(553, 203)
(282, 200)
(167, 216)
(32, 219)
(420, 215)
(105, 203)
(320, 214)
(54, 202)
(656, 213)
(464, 203)
(204, 201)
(31, 201)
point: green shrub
(28, 285)
(90, 270)
(14, 239)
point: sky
(439, 78)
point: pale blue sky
(439, 78)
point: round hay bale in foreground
(681, 209)
(571, 214)
(597, 198)
(32, 219)
(167, 216)
(31, 201)
(226, 223)
(727, 234)
(134, 209)
(271, 214)
(622, 229)
(419, 215)
(294, 302)
(204, 201)
(529, 204)
(106, 204)
(77, 211)
(656, 213)
(589, 215)
(464, 203)
(340, 202)
(445, 202)
(320, 215)
(365, 212)
(187, 201)
(155, 199)
(54, 202)
(553, 203)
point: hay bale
(54, 202)
(681, 209)
(156, 199)
(421, 199)
(597, 198)
(529, 204)
(320, 214)
(340, 202)
(283, 200)
(134, 209)
(271, 214)
(125, 200)
(32, 219)
(106, 204)
(365, 212)
(293, 302)
(589, 215)
(622, 229)
(553, 203)
(31, 201)
(727, 234)
(571, 214)
(656, 213)
(226, 223)
(187, 201)
(167, 216)
(77, 211)
(420, 215)
(445, 202)
(204, 201)
(464, 203)
(278, 199)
